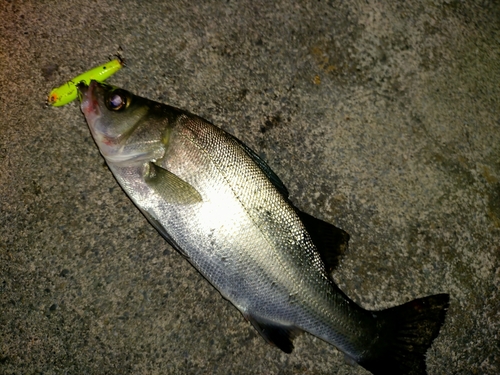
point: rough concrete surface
(382, 117)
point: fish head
(122, 124)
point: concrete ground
(382, 117)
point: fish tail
(407, 331)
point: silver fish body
(222, 207)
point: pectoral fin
(171, 188)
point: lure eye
(117, 100)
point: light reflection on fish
(220, 205)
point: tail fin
(408, 331)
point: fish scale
(234, 167)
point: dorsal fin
(331, 242)
(273, 177)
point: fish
(219, 204)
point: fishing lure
(68, 92)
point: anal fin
(276, 334)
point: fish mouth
(88, 98)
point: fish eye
(117, 100)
